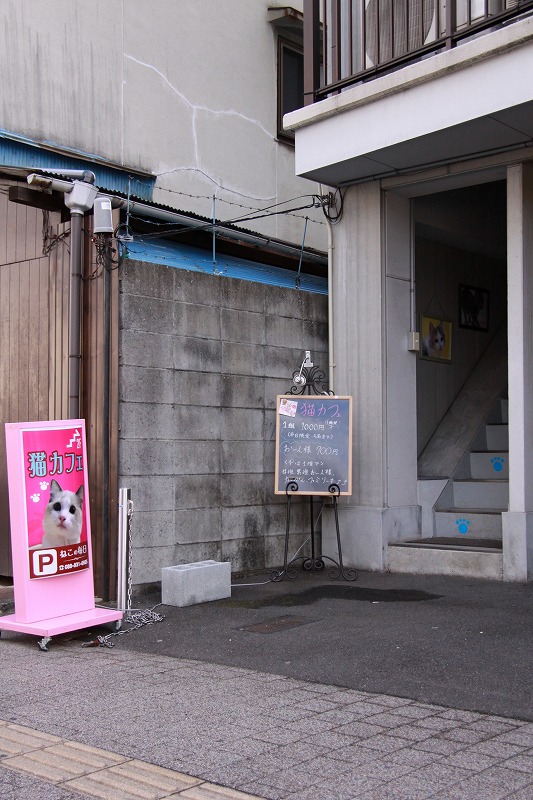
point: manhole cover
(276, 624)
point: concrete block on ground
(200, 582)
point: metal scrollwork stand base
(315, 562)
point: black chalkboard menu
(313, 444)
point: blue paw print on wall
(497, 463)
(462, 525)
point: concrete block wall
(202, 358)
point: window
(290, 83)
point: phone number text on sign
(56, 561)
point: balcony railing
(350, 41)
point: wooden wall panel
(33, 222)
(5, 411)
(21, 228)
(33, 288)
(101, 419)
(11, 233)
(24, 351)
(59, 287)
(3, 222)
(44, 325)
(34, 363)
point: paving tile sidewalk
(92, 772)
(260, 734)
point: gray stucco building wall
(202, 358)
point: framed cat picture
(473, 308)
(435, 339)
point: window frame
(283, 45)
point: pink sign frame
(53, 577)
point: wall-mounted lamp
(299, 379)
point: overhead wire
(336, 217)
(104, 255)
(223, 223)
(219, 199)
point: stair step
(497, 436)
(474, 523)
(453, 543)
(467, 516)
(489, 464)
(487, 564)
(472, 494)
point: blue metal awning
(20, 152)
(181, 256)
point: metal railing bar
(445, 40)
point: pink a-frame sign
(50, 529)
(55, 501)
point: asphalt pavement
(460, 643)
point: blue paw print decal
(462, 525)
(497, 463)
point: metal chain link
(139, 617)
(130, 554)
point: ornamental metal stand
(311, 380)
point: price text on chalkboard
(314, 443)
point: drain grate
(276, 624)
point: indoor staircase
(467, 521)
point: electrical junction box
(103, 215)
(413, 344)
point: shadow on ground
(333, 592)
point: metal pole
(331, 322)
(311, 50)
(76, 261)
(123, 556)
(214, 215)
(412, 270)
(106, 431)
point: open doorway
(460, 250)
(461, 301)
